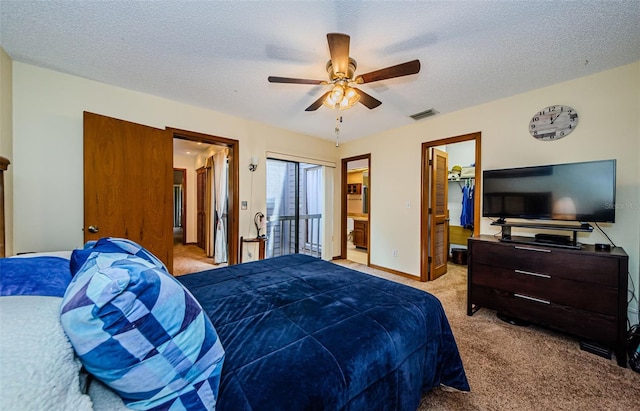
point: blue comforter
(34, 276)
(305, 334)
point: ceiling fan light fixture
(342, 97)
(341, 70)
(337, 94)
(351, 98)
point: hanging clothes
(466, 217)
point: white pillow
(38, 367)
(61, 254)
(104, 399)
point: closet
(461, 193)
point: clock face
(553, 123)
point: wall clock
(553, 123)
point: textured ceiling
(218, 54)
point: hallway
(189, 258)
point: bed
(298, 333)
(303, 333)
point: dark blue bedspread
(305, 334)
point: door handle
(93, 229)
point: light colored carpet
(190, 258)
(357, 255)
(519, 368)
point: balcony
(283, 240)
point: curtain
(220, 176)
(313, 203)
(210, 210)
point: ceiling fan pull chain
(338, 121)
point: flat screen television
(584, 192)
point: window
(294, 208)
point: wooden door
(438, 214)
(201, 212)
(128, 181)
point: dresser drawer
(577, 266)
(579, 291)
(555, 289)
(594, 326)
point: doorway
(456, 182)
(190, 214)
(129, 156)
(356, 209)
(295, 197)
(179, 203)
(193, 254)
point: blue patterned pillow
(113, 245)
(137, 329)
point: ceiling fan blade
(316, 104)
(368, 100)
(274, 79)
(404, 69)
(339, 50)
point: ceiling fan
(341, 69)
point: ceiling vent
(427, 113)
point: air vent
(427, 113)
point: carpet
(190, 258)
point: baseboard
(396, 272)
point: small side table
(262, 241)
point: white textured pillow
(61, 254)
(38, 367)
(104, 399)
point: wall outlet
(395, 253)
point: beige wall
(6, 142)
(608, 104)
(47, 154)
(47, 160)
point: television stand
(551, 240)
(579, 292)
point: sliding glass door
(294, 208)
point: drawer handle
(540, 250)
(526, 297)
(533, 274)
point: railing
(281, 231)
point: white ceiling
(189, 148)
(218, 54)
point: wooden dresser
(581, 292)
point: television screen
(584, 192)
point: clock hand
(555, 118)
